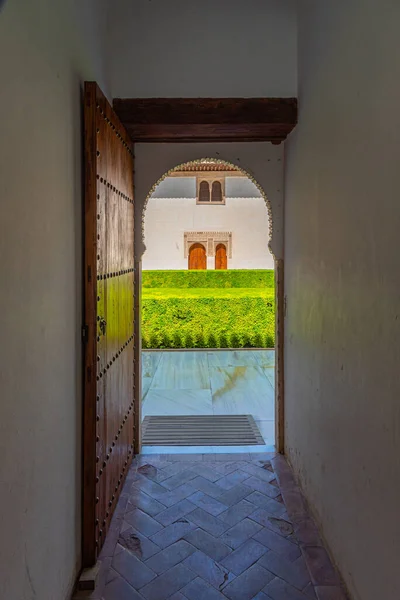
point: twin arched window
(216, 192)
(210, 192)
(204, 191)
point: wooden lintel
(207, 119)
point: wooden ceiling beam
(207, 119)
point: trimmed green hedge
(163, 293)
(226, 321)
(231, 278)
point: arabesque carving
(210, 239)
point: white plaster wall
(342, 266)
(168, 218)
(47, 48)
(227, 48)
(262, 160)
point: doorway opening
(221, 261)
(197, 257)
(208, 311)
(113, 251)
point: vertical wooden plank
(109, 303)
(279, 357)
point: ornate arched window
(204, 191)
(210, 189)
(216, 192)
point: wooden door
(221, 261)
(109, 403)
(197, 257)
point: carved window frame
(210, 178)
(210, 239)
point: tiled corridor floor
(208, 382)
(213, 527)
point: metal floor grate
(201, 430)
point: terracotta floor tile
(194, 529)
(209, 569)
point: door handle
(103, 325)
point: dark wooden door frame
(173, 120)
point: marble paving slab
(177, 402)
(269, 373)
(231, 358)
(146, 383)
(150, 362)
(208, 450)
(265, 358)
(267, 430)
(242, 390)
(211, 382)
(182, 371)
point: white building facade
(212, 210)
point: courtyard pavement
(211, 382)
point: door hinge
(85, 333)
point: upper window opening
(210, 189)
(204, 191)
(216, 193)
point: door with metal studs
(109, 398)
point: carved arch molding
(198, 163)
(210, 240)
